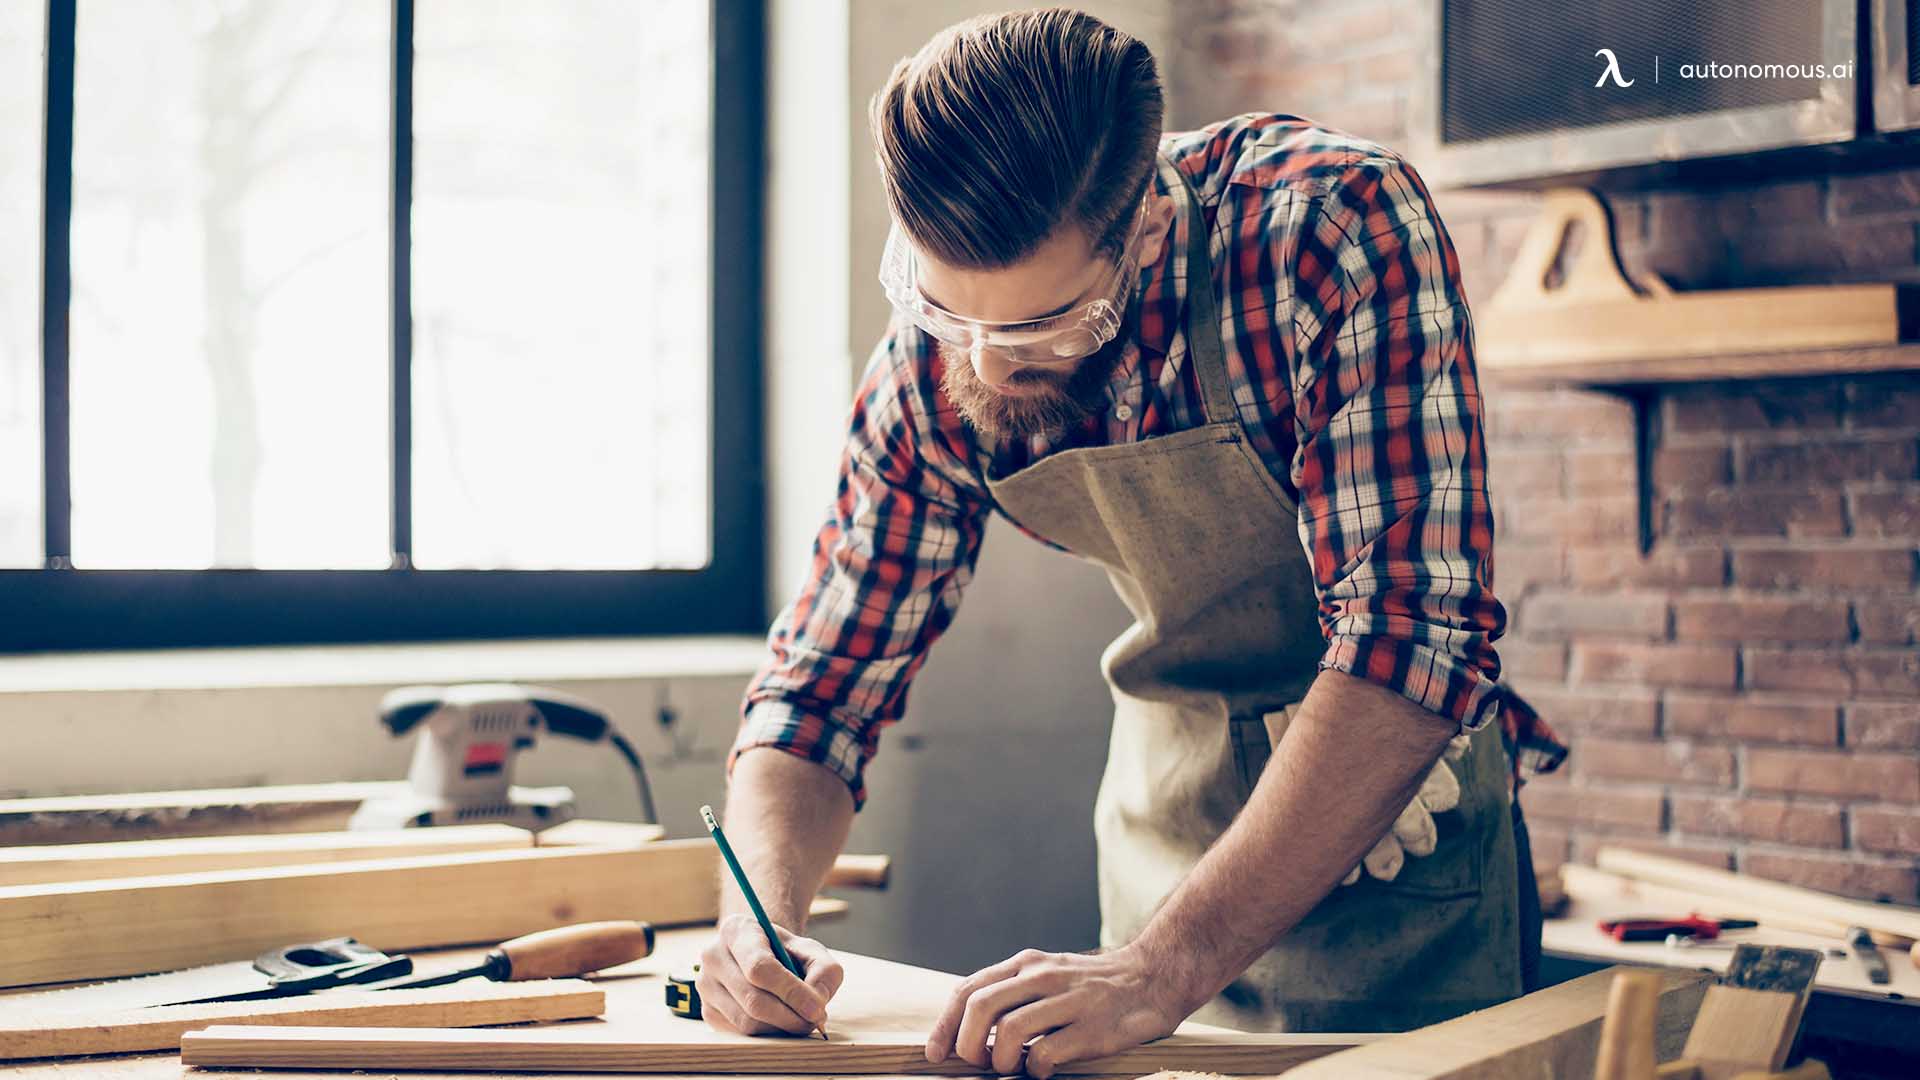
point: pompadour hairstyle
(1004, 127)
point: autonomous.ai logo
(1613, 69)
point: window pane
(23, 48)
(230, 387)
(560, 284)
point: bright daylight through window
(230, 361)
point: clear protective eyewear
(1080, 331)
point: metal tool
(683, 993)
(1865, 951)
(562, 953)
(306, 968)
(1651, 928)
(462, 771)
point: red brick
(1691, 468)
(1828, 461)
(1622, 712)
(1718, 856)
(1883, 725)
(1718, 408)
(1891, 400)
(1552, 415)
(1559, 614)
(1708, 667)
(1592, 807)
(1823, 568)
(1818, 251)
(1836, 774)
(1518, 567)
(1746, 719)
(1890, 831)
(1848, 875)
(1602, 472)
(1666, 566)
(1570, 520)
(1893, 192)
(1749, 513)
(1752, 818)
(1517, 473)
(1729, 617)
(1888, 620)
(1894, 515)
(1846, 672)
(1666, 761)
(1533, 661)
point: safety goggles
(1080, 331)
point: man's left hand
(1080, 1005)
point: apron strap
(1203, 314)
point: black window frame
(57, 607)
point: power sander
(462, 771)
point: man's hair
(1003, 127)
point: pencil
(746, 890)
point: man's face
(1003, 398)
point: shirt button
(1123, 412)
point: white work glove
(1413, 832)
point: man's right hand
(744, 989)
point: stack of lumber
(92, 911)
(1674, 884)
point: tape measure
(683, 994)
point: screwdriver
(560, 953)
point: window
(384, 320)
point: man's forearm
(1353, 756)
(787, 819)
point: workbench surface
(878, 996)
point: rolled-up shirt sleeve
(889, 563)
(1391, 467)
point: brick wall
(1748, 693)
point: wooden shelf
(1640, 371)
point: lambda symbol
(1613, 69)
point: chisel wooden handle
(569, 951)
(863, 871)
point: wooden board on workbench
(46, 864)
(30, 1029)
(100, 929)
(594, 1048)
(1551, 1032)
(878, 996)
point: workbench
(878, 996)
(1847, 1015)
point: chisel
(561, 953)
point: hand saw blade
(237, 976)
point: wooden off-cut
(613, 1051)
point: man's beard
(1056, 399)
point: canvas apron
(1201, 543)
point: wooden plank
(603, 1050)
(1668, 367)
(49, 863)
(849, 870)
(1886, 918)
(100, 929)
(593, 832)
(1754, 1028)
(1626, 1033)
(154, 815)
(146, 815)
(1551, 1032)
(1600, 886)
(27, 1033)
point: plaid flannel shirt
(1349, 347)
